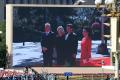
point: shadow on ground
(30, 63)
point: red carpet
(96, 62)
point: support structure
(114, 44)
(9, 34)
(116, 66)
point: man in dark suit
(47, 43)
(71, 45)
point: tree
(3, 51)
(28, 20)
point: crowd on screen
(65, 43)
(14, 75)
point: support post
(114, 43)
(116, 66)
(67, 77)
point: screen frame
(9, 33)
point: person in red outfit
(86, 45)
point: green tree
(3, 51)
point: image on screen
(60, 37)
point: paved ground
(31, 55)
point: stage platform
(74, 70)
(96, 62)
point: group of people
(65, 42)
(10, 75)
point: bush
(3, 51)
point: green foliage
(28, 20)
(2, 45)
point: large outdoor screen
(60, 37)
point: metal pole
(92, 77)
(55, 77)
(102, 29)
(67, 77)
(102, 70)
(116, 66)
(102, 26)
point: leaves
(2, 45)
(28, 20)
